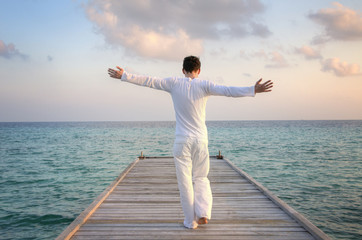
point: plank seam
(309, 226)
(85, 215)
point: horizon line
(244, 120)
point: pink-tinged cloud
(277, 60)
(273, 59)
(340, 23)
(9, 51)
(339, 68)
(145, 42)
(172, 29)
(308, 52)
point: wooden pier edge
(86, 214)
(82, 218)
(310, 227)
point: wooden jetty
(143, 203)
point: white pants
(192, 167)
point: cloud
(260, 30)
(320, 40)
(274, 59)
(246, 74)
(308, 52)
(156, 45)
(172, 29)
(340, 23)
(340, 69)
(9, 51)
(218, 52)
(335, 65)
(277, 61)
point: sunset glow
(54, 57)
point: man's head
(191, 64)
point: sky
(54, 57)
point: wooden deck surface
(143, 203)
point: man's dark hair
(191, 63)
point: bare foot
(203, 220)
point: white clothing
(190, 151)
(189, 98)
(192, 167)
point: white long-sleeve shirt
(189, 98)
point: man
(191, 155)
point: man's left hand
(263, 87)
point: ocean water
(50, 172)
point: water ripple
(50, 172)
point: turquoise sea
(50, 172)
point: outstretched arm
(263, 87)
(146, 81)
(116, 73)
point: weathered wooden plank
(146, 205)
(161, 237)
(316, 232)
(177, 227)
(82, 218)
(169, 232)
(160, 211)
(269, 222)
(230, 214)
(216, 227)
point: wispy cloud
(334, 65)
(9, 51)
(142, 27)
(273, 59)
(218, 52)
(340, 23)
(49, 58)
(308, 52)
(339, 68)
(277, 60)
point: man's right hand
(116, 73)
